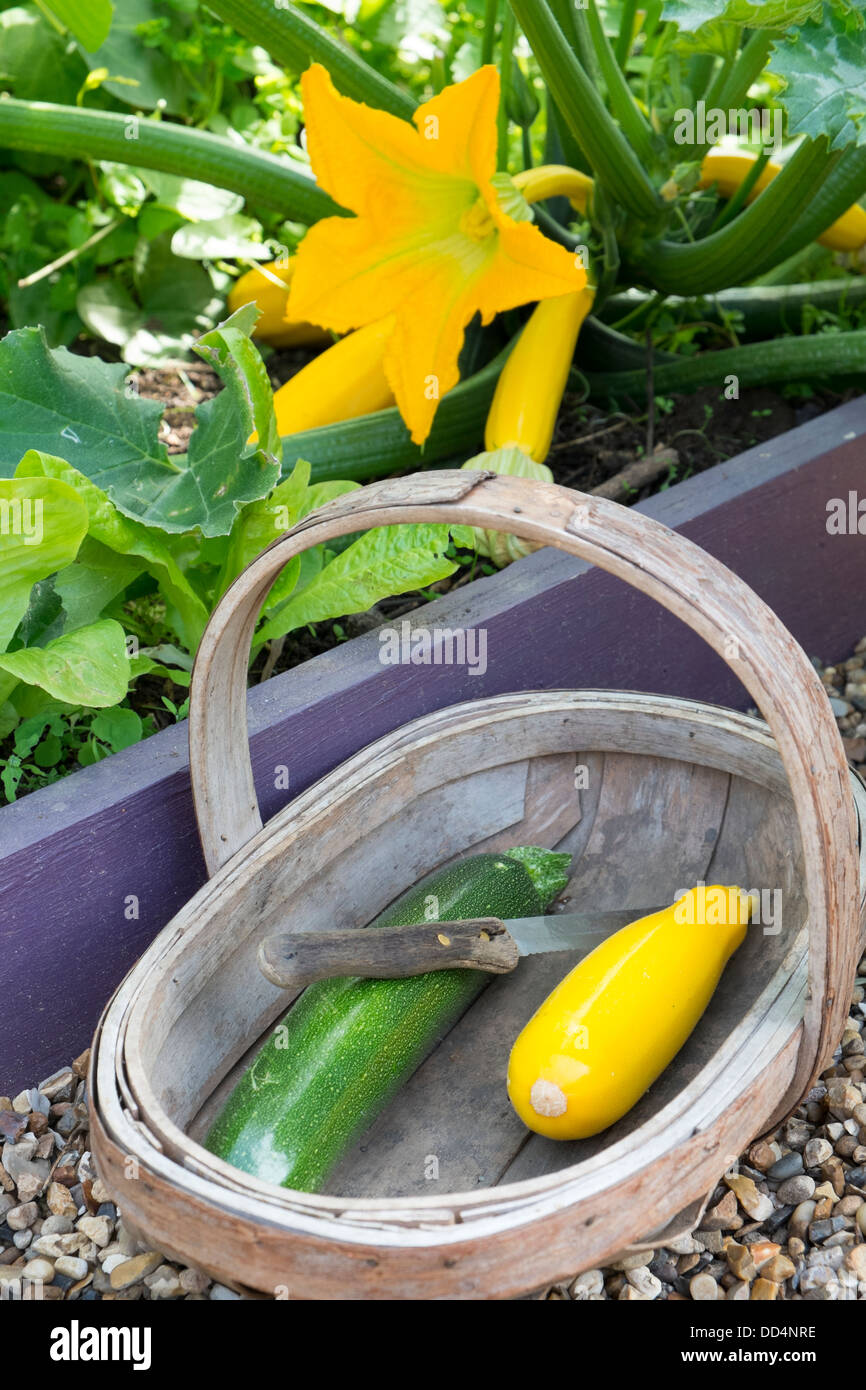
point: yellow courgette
(615, 1022)
(345, 381)
(529, 390)
(727, 172)
(268, 287)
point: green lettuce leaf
(387, 560)
(118, 533)
(88, 667)
(42, 524)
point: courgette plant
(622, 85)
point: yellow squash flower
(437, 237)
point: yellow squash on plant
(605, 1034)
(346, 380)
(727, 172)
(267, 286)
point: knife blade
(293, 960)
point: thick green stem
(741, 197)
(842, 185)
(748, 245)
(72, 132)
(745, 71)
(373, 446)
(614, 161)
(506, 58)
(723, 75)
(823, 355)
(294, 41)
(623, 105)
(765, 310)
(626, 32)
(488, 38)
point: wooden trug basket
(447, 1196)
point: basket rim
(343, 1217)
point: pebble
(21, 1103)
(12, 1125)
(797, 1133)
(57, 1225)
(842, 1098)
(816, 1152)
(796, 1190)
(20, 1218)
(220, 1292)
(112, 1261)
(164, 1283)
(750, 1199)
(738, 1293)
(840, 707)
(740, 1259)
(59, 1201)
(778, 1269)
(855, 1260)
(763, 1154)
(820, 1230)
(644, 1282)
(788, 1166)
(96, 1228)
(800, 1219)
(819, 1283)
(39, 1269)
(73, 1265)
(131, 1271)
(702, 1287)
(586, 1284)
(56, 1245)
(22, 1239)
(764, 1290)
(861, 1219)
(722, 1216)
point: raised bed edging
(93, 867)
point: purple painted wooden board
(77, 860)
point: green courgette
(346, 1046)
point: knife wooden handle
(293, 960)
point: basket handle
(659, 562)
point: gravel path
(788, 1221)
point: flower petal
(527, 266)
(458, 127)
(370, 161)
(421, 356)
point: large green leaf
(754, 14)
(157, 79)
(97, 577)
(87, 667)
(261, 522)
(387, 560)
(825, 80)
(176, 300)
(77, 408)
(89, 23)
(194, 200)
(118, 533)
(42, 524)
(33, 60)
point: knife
(293, 960)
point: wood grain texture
(665, 566)
(125, 827)
(196, 1002)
